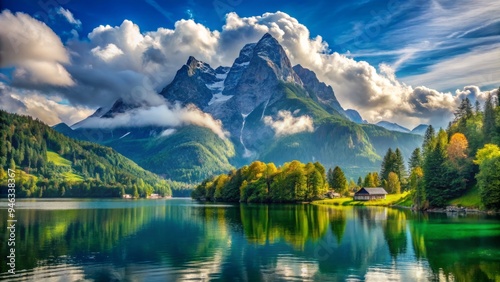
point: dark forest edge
(451, 163)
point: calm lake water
(182, 240)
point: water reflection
(180, 240)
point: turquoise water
(182, 240)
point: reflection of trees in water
(295, 224)
(337, 218)
(395, 232)
(455, 248)
(44, 236)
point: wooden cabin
(367, 194)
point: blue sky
(442, 45)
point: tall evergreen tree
(399, 165)
(388, 164)
(360, 182)
(339, 181)
(488, 120)
(435, 172)
(415, 159)
(477, 107)
(429, 140)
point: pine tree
(415, 160)
(435, 172)
(329, 177)
(477, 107)
(429, 140)
(388, 164)
(399, 165)
(488, 120)
(464, 110)
(339, 181)
(360, 182)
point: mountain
(393, 126)
(319, 91)
(52, 164)
(420, 129)
(354, 115)
(272, 110)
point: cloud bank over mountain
(163, 115)
(124, 62)
(287, 124)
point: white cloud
(168, 132)
(31, 103)
(163, 115)
(69, 16)
(287, 124)
(34, 49)
(108, 53)
(480, 67)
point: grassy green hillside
(188, 155)
(49, 164)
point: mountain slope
(420, 129)
(354, 115)
(55, 165)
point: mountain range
(270, 110)
(419, 129)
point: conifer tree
(488, 120)
(339, 181)
(415, 159)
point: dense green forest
(49, 164)
(263, 183)
(461, 159)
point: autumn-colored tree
(457, 148)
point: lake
(182, 240)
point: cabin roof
(371, 191)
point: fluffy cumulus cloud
(162, 115)
(34, 50)
(286, 124)
(123, 61)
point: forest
(260, 182)
(49, 164)
(461, 159)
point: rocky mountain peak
(318, 90)
(269, 50)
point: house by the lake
(367, 194)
